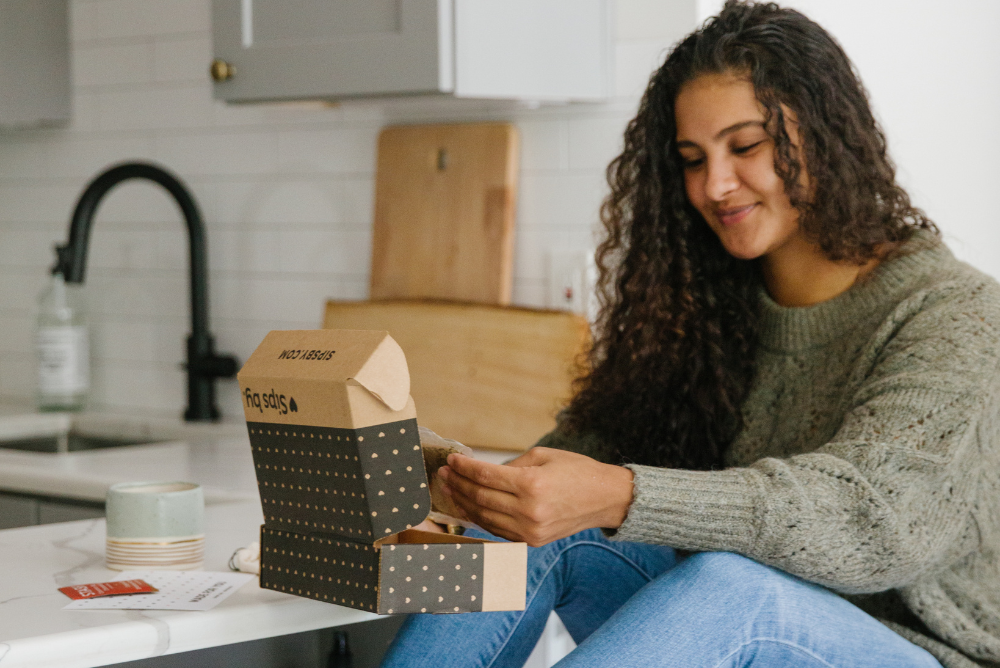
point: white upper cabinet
(333, 49)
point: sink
(74, 432)
(68, 442)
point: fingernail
(444, 472)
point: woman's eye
(691, 163)
(740, 150)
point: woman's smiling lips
(733, 215)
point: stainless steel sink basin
(66, 432)
(69, 442)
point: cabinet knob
(221, 70)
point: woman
(785, 449)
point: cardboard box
(342, 482)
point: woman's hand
(541, 496)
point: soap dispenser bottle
(63, 347)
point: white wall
(286, 194)
(933, 72)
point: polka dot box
(341, 477)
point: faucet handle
(213, 366)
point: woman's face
(728, 159)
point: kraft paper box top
(328, 378)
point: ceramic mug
(147, 510)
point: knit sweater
(869, 460)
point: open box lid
(370, 359)
(334, 434)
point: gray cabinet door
(288, 49)
(51, 512)
(17, 511)
(34, 62)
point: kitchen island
(36, 560)
(35, 631)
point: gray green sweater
(870, 458)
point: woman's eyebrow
(735, 127)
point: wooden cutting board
(445, 198)
(487, 376)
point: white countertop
(36, 561)
(35, 631)
(217, 456)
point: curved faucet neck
(72, 258)
(203, 365)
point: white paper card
(179, 590)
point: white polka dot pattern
(320, 567)
(340, 481)
(449, 576)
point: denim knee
(734, 578)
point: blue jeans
(631, 604)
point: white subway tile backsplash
(594, 142)
(18, 375)
(86, 114)
(219, 154)
(136, 203)
(180, 16)
(565, 198)
(286, 191)
(21, 287)
(140, 385)
(143, 18)
(123, 340)
(112, 64)
(82, 21)
(653, 20)
(634, 63)
(29, 246)
(182, 59)
(118, 247)
(81, 157)
(20, 159)
(166, 108)
(249, 250)
(145, 294)
(124, 18)
(30, 203)
(18, 334)
(358, 200)
(336, 150)
(530, 292)
(284, 202)
(544, 145)
(340, 250)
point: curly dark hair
(676, 336)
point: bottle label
(63, 360)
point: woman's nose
(721, 179)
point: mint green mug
(155, 510)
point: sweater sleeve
(890, 498)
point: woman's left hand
(541, 496)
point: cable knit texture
(870, 457)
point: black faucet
(203, 365)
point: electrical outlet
(571, 277)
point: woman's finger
(497, 523)
(477, 494)
(497, 476)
